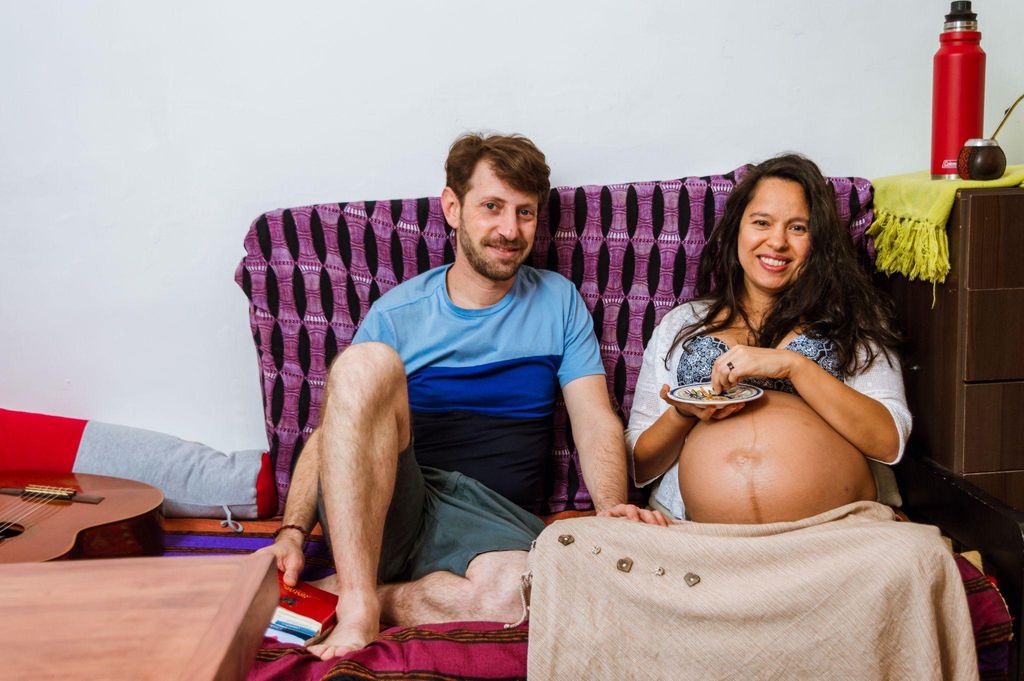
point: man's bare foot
(358, 625)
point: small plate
(702, 394)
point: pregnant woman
(781, 566)
(784, 305)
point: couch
(311, 273)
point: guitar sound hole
(9, 530)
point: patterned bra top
(700, 353)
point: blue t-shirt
(483, 382)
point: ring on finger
(730, 365)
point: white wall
(139, 139)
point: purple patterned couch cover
(311, 274)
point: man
(463, 363)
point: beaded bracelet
(300, 528)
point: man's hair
(833, 297)
(515, 159)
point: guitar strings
(33, 503)
(30, 503)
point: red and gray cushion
(197, 481)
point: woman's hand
(712, 411)
(743, 361)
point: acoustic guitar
(48, 516)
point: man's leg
(489, 591)
(470, 558)
(364, 427)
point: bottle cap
(960, 17)
(960, 10)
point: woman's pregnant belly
(775, 460)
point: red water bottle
(958, 89)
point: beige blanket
(849, 594)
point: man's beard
(495, 271)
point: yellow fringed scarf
(910, 221)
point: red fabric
(38, 442)
(266, 490)
(993, 626)
(439, 652)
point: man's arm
(598, 434)
(299, 510)
(600, 441)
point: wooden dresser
(964, 366)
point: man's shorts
(440, 521)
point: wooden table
(188, 618)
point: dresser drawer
(996, 239)
(993, 416)
(994, 335)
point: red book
(304, 612)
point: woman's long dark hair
(832, 297)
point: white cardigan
(882, 381)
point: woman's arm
(883, 382)
(659, 445)
(862, 420)
(646, 411)
(867, 423)
(648, 408)
(657, 426)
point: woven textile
(993, 629)
(311, 274)
(847, 594)
(433, 652)
(910, 221)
